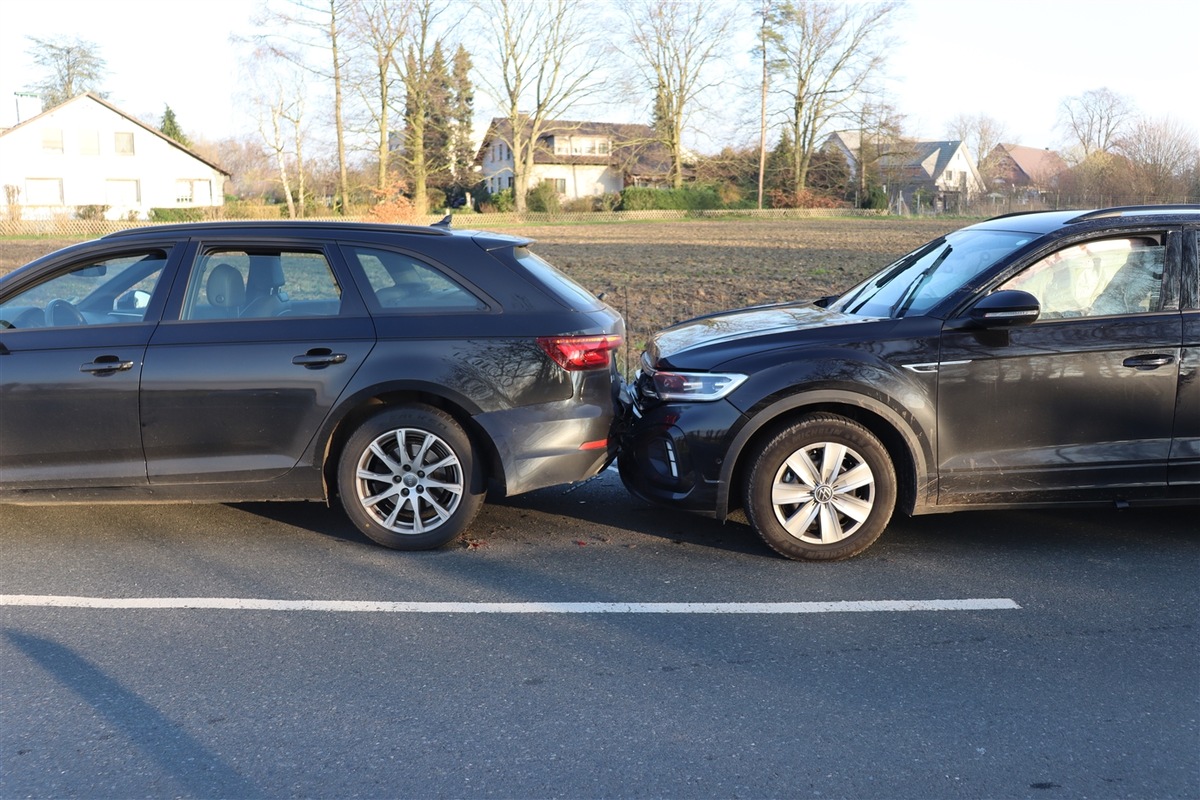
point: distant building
(1030, 171)
(582, 159)
(936, 174)
(87, 152)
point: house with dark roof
(582, 159)
(1028, 170)
(87, 152)
(937, 174)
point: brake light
(574, 353)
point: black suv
(1032, 359)
(402, 368)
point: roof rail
(1014, 214)
(1121, 211)
(279, 225)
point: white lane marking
(253, 604)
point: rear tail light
(574, 353)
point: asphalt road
(1083, 682)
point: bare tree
(421, 93)
(766, 37)
(281, 109)
(380, 27)
(1094, 121)
(882, 149)
(538, 67)
(1161, 155)
(827, 53)
(674, 41)
(980, 133)
(278, 96)
(71, 67)
(244, 156)
(293, 33)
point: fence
(62, 228)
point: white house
(581, 159)
(87, 152)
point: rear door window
(260, 283)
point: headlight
(689, 386)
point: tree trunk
(343, 178)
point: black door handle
(319, 357)
(1148, 362)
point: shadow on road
(600, 510)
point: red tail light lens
(579, 352)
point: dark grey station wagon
(404, 369)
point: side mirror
(133, 300)
(1005, 309)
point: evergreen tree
(462, 113)
(437, 115)
(170, 128)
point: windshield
(920, 280)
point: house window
(122, 192)
(89, 143)
(193, 192)
(559, 184)
(52, 140)
(44, 191)
(123, 143)
(582, 146)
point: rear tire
(405, 478)
(822, 489)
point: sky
(1013, 60)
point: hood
(725, 330)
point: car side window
(1103, 277)
(261, 283)
(109, 291)
(402, 284)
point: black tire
(821, 489)
(406, 478)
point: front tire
(822, 489)
(405, 478)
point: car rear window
(402, 284)
(567, 291)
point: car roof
(1042, 222)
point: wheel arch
(367, 403)
(907, 446)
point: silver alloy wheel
(409, 481)
(823, 493)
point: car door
(1080, 404)
(257, 344)
(72, 346)
(1184, 471)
